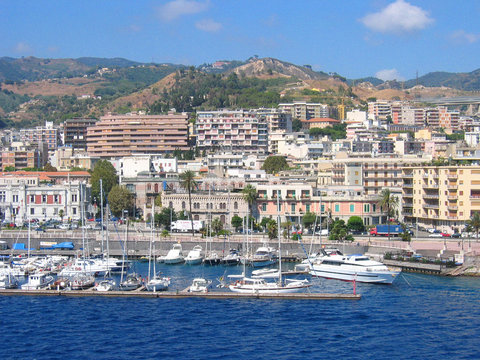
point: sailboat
(157, 282)
(261, 286)
(132, 281)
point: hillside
(273, 67)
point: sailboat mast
(279, 241)
(152, 222)
(101, 211)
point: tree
(217, 225)
(48, 167)
(250, 196)
(187, 181)
(103, 170)
(61, 213)
(287, 225)
(120, 198)
(237, 222)
(272, 229)
(165, 216)
(405, 235)
(355, 223)
(339, 231)
(308, 219)
(158, 201)
(296, 125)
(264, 223)
(390, 203)
(275, 164)
(474, 222)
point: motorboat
(195, 256)
(106, 285)
(199, 285)
(38, 282)
(261, 286)
(306, 265)
(353, 268)
(265, 274)
(232, 258)
(175, 255)
(158, 283)
(264, 256)
(132, 282)
(212, 259)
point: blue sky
(358, 38)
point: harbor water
(418, 317)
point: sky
(390, 39)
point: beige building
(444, 197)
(126, 135)
(304, 111)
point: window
(337, 207)
(55, 199)
(264, 207)
(15, 198)
(32, 198)
(170, 204)
(183, 205)
(44, 211)
(74, 211)
(235, 205)
(374, 207)
(366, 208)
(352, 208)
(44, 198)
(307, 207)
(74, 198)
(32, 211)
(293, 207)
(322, 208)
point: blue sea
(418, 317)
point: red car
(446, 235)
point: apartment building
(277, 120)
(124, 135)
(380, 110)
(19, 156)
(444, 197)
(305, 111)
(237, 131)
(75, 132)
(319, 123)
(41, 134)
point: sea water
(417, 317)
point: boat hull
(174, 261)
(195, 261)
(386, 277)
(265, 291)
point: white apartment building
(242, 131)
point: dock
(178, 294)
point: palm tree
(250, 196)
(474, 222)
(187, 181)
(390, 203)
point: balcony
(430, 186)
(428, 196)
(408, 176)
(452, 187)
(407, 204)
(452, 207)
(430, 206)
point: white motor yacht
(8, 281)
(199, 285)
(232, 258)
(353, 268)
(175, 255)
(195, 256)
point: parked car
(456, 235)
(64, 226)
(40, 229)
(436, 235)
(446, 234)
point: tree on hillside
(275, 164)
(120, 198)
(103, 170)
(187, 181)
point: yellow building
(444, 197)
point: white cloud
(23, 48)
(389, 74)
(398, 17)
(462, 37)
(177, 8)
(208, 25)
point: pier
(178, 294)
